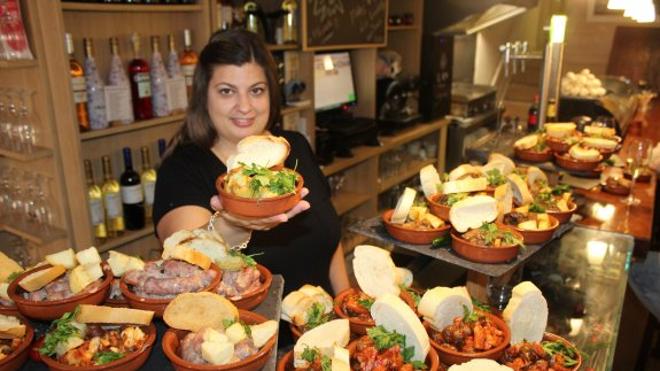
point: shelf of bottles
(133, 6)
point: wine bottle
(132, 197)
(148, 178)
(117, 75)
(95, 93)
(78, 86)
(138, 71)
(173, 64)
(290, 25)
(551, 111)
(114, 215)
(95, 202)
(158, 80)
(188, 61)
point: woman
(235, 94)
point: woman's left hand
(261, 224)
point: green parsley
(366, 303)
(311, 354)
(248, 260)
(413, 294)
(455, 197)
(12, 276)
(228, 322)
(440, 242)
(384, 340)
(491, 232)
(60, 331)
(316, 316)
(102, 358)
(560, 189)
(536, 208)
(263, 179)
(495, 177)
(557, 347)
(482, 307)
(469, 317)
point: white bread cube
(94, 271)
(88, 256)
(528, 225)
(235, 332)
(262, 332)
(562, 205)
(79, 279)
(118, 263)
(217, 353)
(65, 258)
(543, 221)
(214, 336)
(135, 263)
(433, 220)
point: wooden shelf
(18, 63)
(128, 236)
(291, 109)
(37, 154)
(145, 8)
(412, 169)
(138, 125)
(278, 47)
(345, 200)
(30, 231)
(408, 27)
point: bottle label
(132, 194)
(113, 205)
(96, 209)
(79, 89)
(143, 84)
(149, 189)
(188, 72)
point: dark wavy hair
(229, 47)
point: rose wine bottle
(188, 61)
(117, 75)
(158, 80)
(132, 198)
(95, 92)
(78, 86)
(138, 73)
(173, 64)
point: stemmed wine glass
(636, 155)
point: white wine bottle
(114, 213)
(95, 201)
(148, 178)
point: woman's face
(238, 101)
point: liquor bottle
(533, 116)
(95, 93)
(132, 198)
(158, 80)
(95, 202)
(78, 86)
(117, 75)
(148, 178)
(138, 74)
(114, 215)
(551, 115)
(173, 64)
(225, 14)
(188, 61)
(290, 25)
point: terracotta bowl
(158, 305)
(480, 254)
(296, 331)
(569, 163)
(450, 357)
(533, 156)
(415, 237)
(9, 310)
(616, 190)
(130, 362)
(172, 339)
(438, 209)
(552, 337)
(17, 358)
(540, 236)
(258, 208)
(432, 361)
(557, 145)
(53, 309)
(360, 326)
(257, 297)
(564, 216)
(607, 153)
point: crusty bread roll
(465, 185)
(504, 196)
(375, 271)
(584, 154)
(521, 193)
(527, 142)
(504, 167)
(7, 267)
(194, 311)
(188, 255)
(463, 170)
(394, 314)
(404, 277)
(600, 143)
(429, 179)
(109, 315)
(324, 338)
(559, 130)
(210, 243)
(534, 174)
(261, 150)
(440, 305)
(526, 314)
(472, 212)
(403, 206)
(296, 304)
(494, 156)
(480, 364)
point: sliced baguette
(261, 150)
(526, 314)
(324, 338)
(39, 279)
(65, 258)
(500, 157)
(109, 315)
(600, 131)
(534, 174)
(394, 314)
(465, 185)
(480, 364)
(88, 256)
(600, 143)
(504, 167)
(194, 311)
(559, 130)
(429, 179)
(341, 359)
(521, 193)
(11, 327)
(472, 212)
(188, 255)
(404, 277)
(440, 305)
(584, 154)
(504, 196)
(527, 142)
(295, 306)
(463, 170)
(7, 267)
(375, 271)
(403, 206)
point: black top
(300, 249)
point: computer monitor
(333, 81)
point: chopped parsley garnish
(263, 179)
(384, 340)
(60, 331)
(316, 316)
(560, 189)
(413, 294)
(469, 317)
(366, 303)
(455, 197)
(536, 208)
(491, 232)
(558, 347)
(12, 276)
(228, 322)
(247, 259)
(483, 307)
(102, 358)
(495, 177)
(311, 354)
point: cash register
(338, 130)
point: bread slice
(429, 179)
(262, 332)
(584, 154)
(600, 143)
(39, 279)
(526, 314)
(472, 212)
(534, 174)
(465, 185)
(480, 364)
(394, 314)
(559, 130)
(340, 359)
(101, 314)
(11, 327)
(261, 150)
(504, 196)
(88, 256)
(463, 170)
(521, 193)
(194, 311)
(404, 277)
(403, 206)
(122, 263)
(65, 258)
(504, 167)
(296, 305)
(324, 338)
(494, 156)
(527, 142)
(600, 131)
(187, 254)
(440, 305)
(375, 271)
(7, 267)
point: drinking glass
(636, 155)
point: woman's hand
(260, 224)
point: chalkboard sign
(341, 24)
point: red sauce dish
(432, 360)
(361, 320)
(519, 355)
(53, 309)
